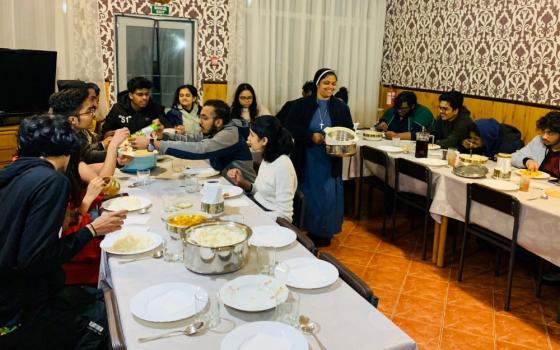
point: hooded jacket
(34, 198)
(122, 115)
(496, 138)
(226, 149)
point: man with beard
(543, 152)
(406, 118)
(452, 125)
(219, 140)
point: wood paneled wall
(523, 117)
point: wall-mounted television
(27, 80)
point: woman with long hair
(245, 106)
(276, 183)
(183, 114)
(319, 175)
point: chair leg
(393, 231)
(462, 257)
(425, 234)
(359, 191)
(384, 229)
(510, 276)
(539, 278)
(370, 200)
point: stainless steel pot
(215, 260)
(176, 230)
(341, 150)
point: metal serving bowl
(473, 160)
(340, 142)
(215, 260)
(341, 150)
(175, 231)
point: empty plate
(306, 273)
(433, 162)
(166, 302)
(501, 185)
(273, 236)
(264, 335)
(202, 172)
(253, 293)
(390, 149)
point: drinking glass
(200, 303)
(524, 183)
(177, 165)
(288, 311)
(214, 309)
(143, 177)
(266, 260)
(191, 184)
(451, 157)
(172, 249)
(396, 141)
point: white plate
(166, 302)
(541, 176)
(306, 273)
(260, 335)
(142, 232)
(433, 162)
(272, 236)
(390, 149)
(130, 203)
(231, 190)
(253, 293)
(433, 146)
(501, 185)
(202, 173)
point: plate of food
(534, 174)
(253, 293)
(129, 203)
(433, 146)
(229, 191)
(130, 240)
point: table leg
(436, 242)
(442, 238)
(357, 197)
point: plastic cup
(524, 183)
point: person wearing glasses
(244, 105)
(134, 108)
(452, 125)
(405, 118)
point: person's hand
(390, 134)
(235, 175)
(468, 144)
(318, 138)
(109, 222)
(119, 137)
(124, 159)
(140, 142)
(158, 133)
(531, 165)
(382, 126)
(106, 141)
(95, 187)
(180, 129)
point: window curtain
(69, 27)
(278, 45)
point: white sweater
(275, 187)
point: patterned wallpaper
(507, 49)
(212, 21)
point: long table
(346, 319)
(539, 231)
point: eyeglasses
(245, 97)
(91, 112)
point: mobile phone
(554, 181)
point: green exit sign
(160, 10)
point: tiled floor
(436, 310)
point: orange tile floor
(436, 310)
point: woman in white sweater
(276, 182)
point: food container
(373, 135)
(177, 224)
(143, 160)
(340, 142)
(503, 166)
(471, 171)
(473, 159)
(112, 186)
(210, 257)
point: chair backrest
(116, 337)
(414, 170)
(494, 199)
(301, 236)
(375, 156)
(351, 278)
(299, 209)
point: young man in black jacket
(450, 127)
(134, 108)
(36, 310)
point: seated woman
(244, 105)
(276, 182)
(183, 114)
(488, 137)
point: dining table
(345, 319)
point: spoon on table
(542, 196)
(156, 255)
(191, 329)
(310, 327)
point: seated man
(220, 140)
(450, 128)
(543, 152)
(488, 137)
(406, 118)
(36, 310)
(134, 108)
(306, 90)
(76, 105)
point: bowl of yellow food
(473, 159)
(178, 224)
(142, 160)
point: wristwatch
(151, 146)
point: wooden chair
(504, 203)
(380, 158)
(116, 337)
(301, 236)
(421, 173)
(299, 209)
(351, 278)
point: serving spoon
(310, 327)
(191, 329)
(156, 255)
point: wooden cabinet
(8, 144)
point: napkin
(266, 341)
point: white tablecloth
(347, 320)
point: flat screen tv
(27, 80)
